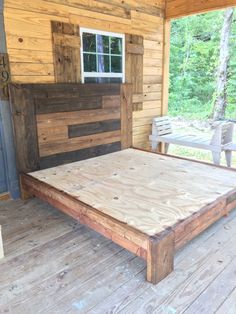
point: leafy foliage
(195, 43)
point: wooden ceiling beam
(180, 8)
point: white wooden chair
(228, 149)
(162, 133)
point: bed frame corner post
(24, 194)
(160, 256)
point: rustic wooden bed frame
(157, 250)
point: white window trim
(96, 74)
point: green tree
(220, 103)
(195, 43)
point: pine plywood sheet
(147, 191)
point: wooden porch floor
(53, 265)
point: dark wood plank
(67, 64)
(66, 40)
(135, 48)
(99, 89)
(93, 128)
(65, 59)
(25, 128)
(66, 104)
(53, 90)
(35, 103)
(134, 66)
(126, 115)
(112, 101)
(82, 154)
(65, 28)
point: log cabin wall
(30, 48)
(180, 8)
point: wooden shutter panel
(134, 68)
(66, 52)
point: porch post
(7, 132)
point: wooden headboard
(60, 123)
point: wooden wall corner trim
(165, 67)
(134, 55)
(126, 115)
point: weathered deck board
(229, 306)
(196, 266)
(53, 265)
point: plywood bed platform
(148, 203)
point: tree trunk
(222, 72)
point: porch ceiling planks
(180, 8)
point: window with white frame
(102, 57)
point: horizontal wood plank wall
(180, 8)
(61, 123)
(29, 43)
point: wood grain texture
(69, 121)
(80, 263)
(128, 176)
(93, 128)
(25, 128)
(28, 30)
(160, 256)
(5, 196)
(81, 154)
(166, 68)
(49, 148)
(126, 115)
(96, 192)
(135, 241)
(179, 8)
(66, 104)
(66, 52)
(134, 67)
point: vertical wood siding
(29, 43)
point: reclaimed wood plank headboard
(60, 123)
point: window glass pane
(103, 80)
(90, 63)
(116, 64)
(116, 45)
(103, 63)
(102, 44)
(89, 42)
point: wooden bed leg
(1, 244)
(24, 194)
(160, 256)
